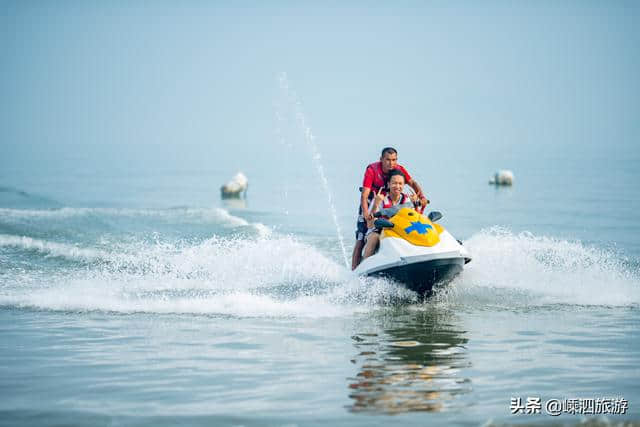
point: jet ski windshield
(389, 212)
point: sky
(129, 85)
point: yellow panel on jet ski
(409, 225)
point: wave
(198, 215)
(280, 275)
(525, 269)
(275, 276)
(71, 224)
(15, 191)
(53, 248)
(10, 196)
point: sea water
(135, 311)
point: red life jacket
(387, 203)
(405, 199)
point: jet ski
(414, 250)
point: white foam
(148, 294)
(44, 213)
(214, 215)
(217, 215)
(532, 269)
(271, 276)
(52, 248)
(279, 275)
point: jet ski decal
(418, 227)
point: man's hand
(370, 221)
(416, 187)
(418, 200)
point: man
(375, 177)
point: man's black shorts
(361, 226)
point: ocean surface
(141, 298)
(131, 294)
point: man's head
(389, 159)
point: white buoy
(236, 187)
(502, 177)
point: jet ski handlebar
(383, 223)
(390, 212)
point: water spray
(315, 156)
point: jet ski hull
(422, 276)
(415, 252)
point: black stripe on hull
(420, 277)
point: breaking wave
(524, 269)
(281, 275)
(270, 276)
(215, 215)
(54, 249)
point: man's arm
(364, 201)
(416, 187)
